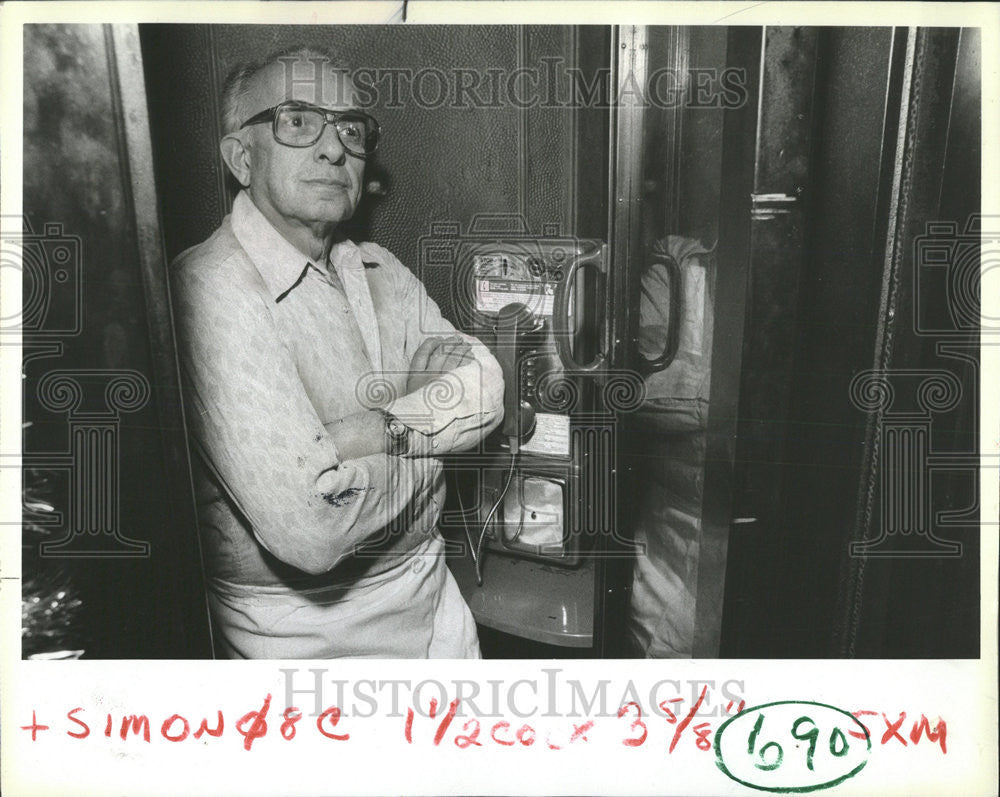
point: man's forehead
(314, 81)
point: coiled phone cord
(477, 549)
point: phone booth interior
(525, 221)
(443, 174)
(673, 187)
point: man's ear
(236, 156)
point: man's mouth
(321, 181)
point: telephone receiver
(514, 322)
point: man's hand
(434, 356)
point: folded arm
(308, 502)
(363, 433)
(460, 406)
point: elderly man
(322, 384)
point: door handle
(670, 346)
(560, 311)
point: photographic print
(586, 390)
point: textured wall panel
(549, 162)
(439, 161)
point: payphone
(538, 304)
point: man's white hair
(237, 87)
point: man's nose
(330, 147)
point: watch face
(396, 431)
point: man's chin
(331, 211)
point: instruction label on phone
(493, 294)
(551, 435)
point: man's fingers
(455, 348)
(432, 344)
(440, 354)
(423, 352)
(450, 354)
(462, 355)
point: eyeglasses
(298, 124)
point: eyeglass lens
(303, 126)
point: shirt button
(434, 443)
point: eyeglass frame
(329, 117)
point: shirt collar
(345, 254)
(280, 264)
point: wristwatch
(397, 435)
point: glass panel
(105, 557)
(674, 287)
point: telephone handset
(514, 322)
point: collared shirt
(274, 348)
